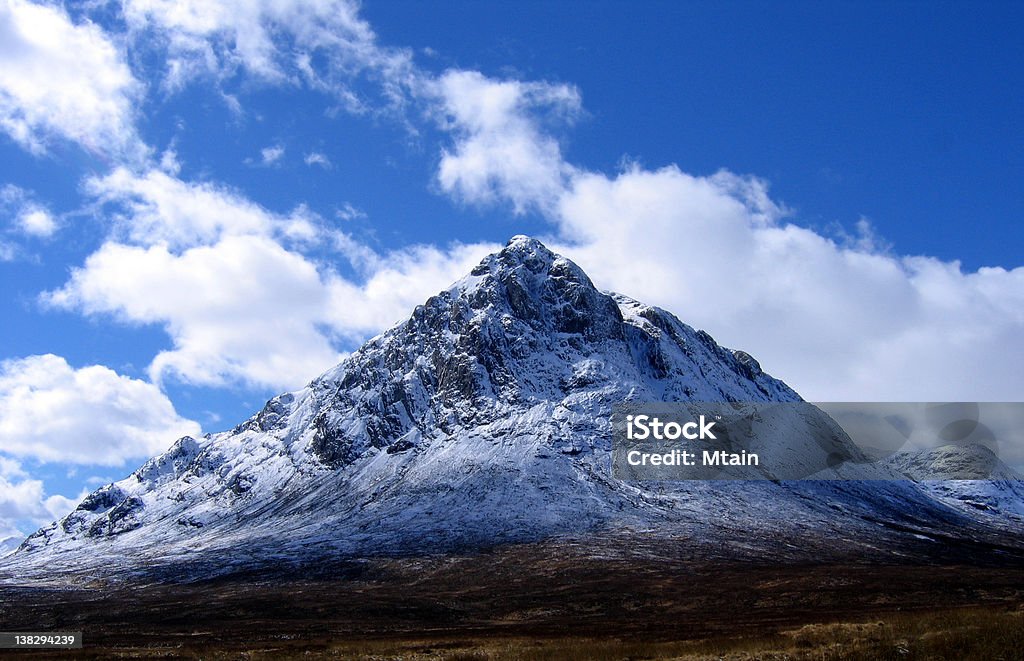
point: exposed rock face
(481, 420)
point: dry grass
(987, 634)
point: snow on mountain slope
(969, 478)
(483, 419)
(952, 462)
(9, 544)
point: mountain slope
(481, 420)
(969, 478)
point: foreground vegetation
(988, 634)
(543, 603)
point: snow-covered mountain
(482, 420)
(952, 462)
(9, 544)
(969, 478)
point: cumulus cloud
(37, 221)
(838, 320)
(499, 150)
(246, 309)
(52, 412)
(242, 309)
(27, 500)
(212, 267)
(19, 500)
(64, 80)
(395, 282)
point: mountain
(479, 422)
(953, 462)
(9, 544)
(970, 478)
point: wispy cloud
(271, 155)
(324, 44)
(26, 215)
(316, 158)
(349, 212)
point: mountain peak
(521, 251)
(526, 242)
(527, 282)
(497, 390)
(526, 250)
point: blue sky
(205, 203)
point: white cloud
(62, 80)
(58, 506)
(10, 468)
(23, 499)
(323, 43)
(246, 309)
(316, 158)
(24, 504)
(349, 212)
(169, 162)
(28, 216)
(836, 322)
(242, 309)
(155, 207)
(271, 155)
(37, 221)
(395, 282)
(52, 412)
(499, 150)
(210, 267)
